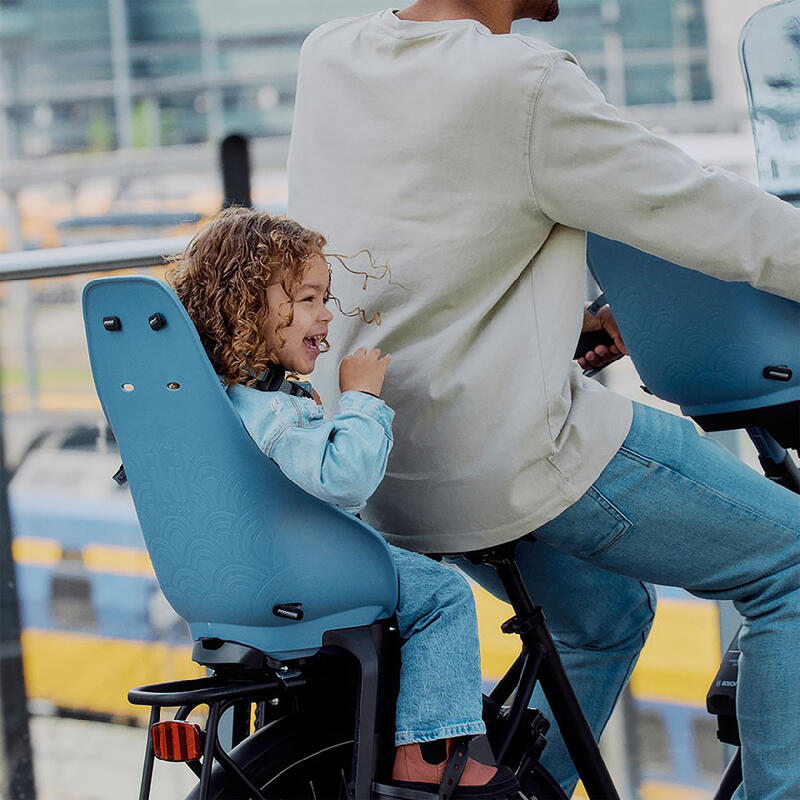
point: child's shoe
(457, 777)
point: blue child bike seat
(726, 353)
(241, 553)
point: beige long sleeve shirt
(472, 164)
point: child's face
(300, 349)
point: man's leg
(676, 508)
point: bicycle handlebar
(588, 341)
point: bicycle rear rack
(245, 676)
(219, 694)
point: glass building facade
(94, 75)
(639, 51)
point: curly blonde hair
(222, 278)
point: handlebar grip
(588, 341)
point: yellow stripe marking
(17, 402)
(657, 790)
(40, 552)
(118, 560)
(96, 557)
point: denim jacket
(341, 460)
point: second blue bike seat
(726, 353)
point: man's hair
(222, 278)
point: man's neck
(496, 16)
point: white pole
(121, 65)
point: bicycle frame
(516, 732)
(539, 662)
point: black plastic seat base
(782, 422)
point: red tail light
(175, 740)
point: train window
(87, 437)
(707, 748)
(654, 741)
(71, 604)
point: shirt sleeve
(341, 460)
(594, 171)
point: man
(471, 161)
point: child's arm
(341, 460)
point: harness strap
(454, 769)
(273, 379)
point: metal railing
(16, 761)
(103, 257)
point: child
(256, 288)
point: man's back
(449, 152)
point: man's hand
(602, 355)
(363, 372)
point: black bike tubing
(229, 764)
(502, 691)
(208, 752)
(731, 778)
(242, 712)
(149, 757)
(527, 683)
(572, 724)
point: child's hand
(363, 371)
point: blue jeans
(674, 508)
(440, 671)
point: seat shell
(229, 536)
(698, 341)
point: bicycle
(323, 728)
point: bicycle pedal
(385, 791)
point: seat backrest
(697, 341)
(230, 538)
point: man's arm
(593, 171)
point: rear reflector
(175, 740)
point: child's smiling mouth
(312, 343)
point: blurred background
(111, 115)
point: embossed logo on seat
(289, 611)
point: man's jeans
(674, 508)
